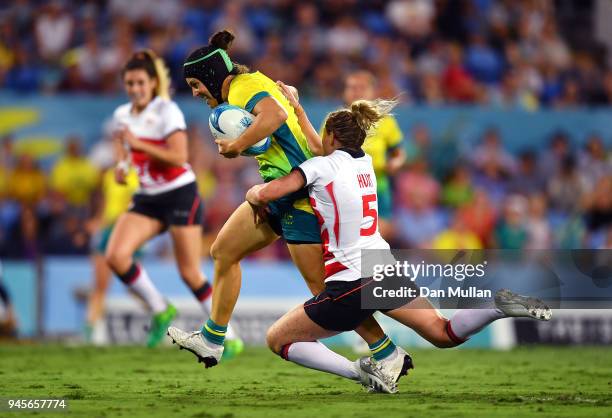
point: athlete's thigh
(131, 231)
(419, 314)
(240, 236)
(296, 326)
(187, 241)
(308, 258)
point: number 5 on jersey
(369, 211)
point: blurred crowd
(499, 53)
(444, 196)
(506, 53)
(487, 197)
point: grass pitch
(166, 382)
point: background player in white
(152, 128)
(342, 188)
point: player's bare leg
(308, 258)
(102, 277)
(238, 238)
(295, 338)
(131, 231)
(294, 326)
(187, 241)
(428, 322)
(421, 316)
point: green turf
(138, 382)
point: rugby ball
(229, 122)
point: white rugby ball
(229, 122)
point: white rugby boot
(372, 377)
(397, 364)
(207, 353)
(515, 305)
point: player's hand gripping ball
(228, 122)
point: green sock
(382, 348)
(214, 333)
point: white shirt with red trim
(154, 125)
(342, 189)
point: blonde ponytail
(163, 75)
(351, 126)
(368, 113)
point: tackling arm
(261, 194)
(312, 137)
(315, 143)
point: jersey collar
(353, 153)
(153, 100)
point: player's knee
(441, 337)
(214, 250)
(444, 343)
(115, 258)
(221, 255)
(273, 340)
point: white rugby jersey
(342, 189)
(154, 124)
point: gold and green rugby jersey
(289, 147)
(381, 139)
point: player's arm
(269, 116)
(312, 137)
(120, 150)
(396, 158)
(261, 194)
(122, 154)
(175, 153)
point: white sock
(144, 287)
(467, 322)
(316, 355)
